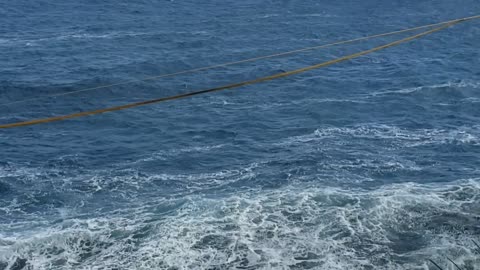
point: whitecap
(295, 226)
(401, 137)
(451, 84)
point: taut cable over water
(237, 62)
(442, 26)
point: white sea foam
(186, 183)
(396, 135)
(472, 100)
(460, 84)
(396, 227)
(165, 154)
(79, 35)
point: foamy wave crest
(132, 182)
(164, 155)
(396, 135)
(82, 35)
(296, 227)
(458, 84)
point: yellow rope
(242, 61)
(234, 85)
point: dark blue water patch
(4, 187)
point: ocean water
(373, 163)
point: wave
(81, 35)
(397, 135)
(458, 84)
(165, 154)
(398, 226)
(63, 182)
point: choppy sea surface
(373, 163)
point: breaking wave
(398, 226)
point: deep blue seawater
(373, 163)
